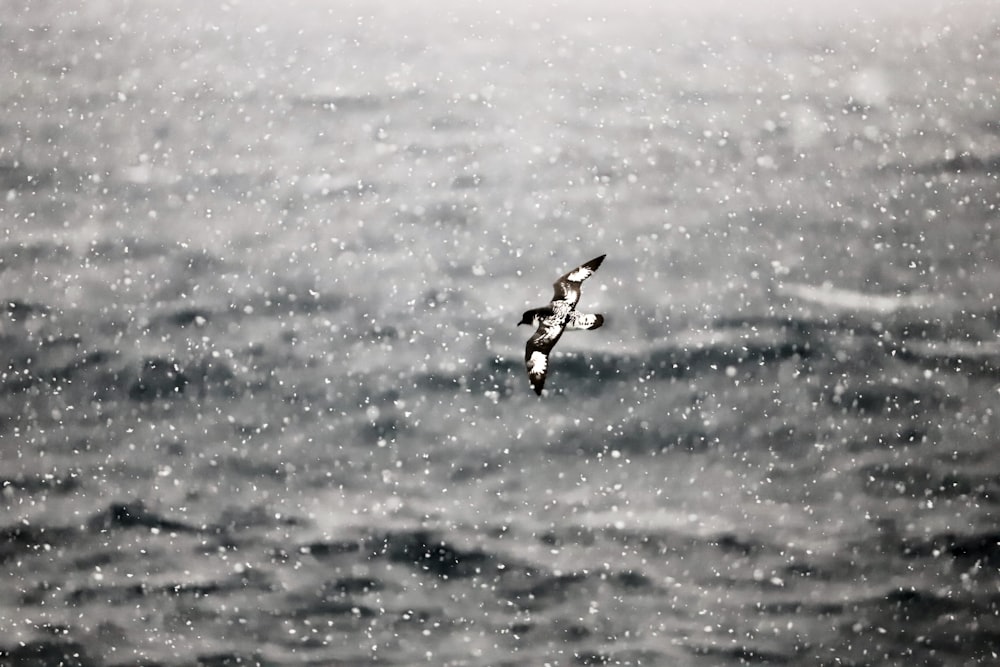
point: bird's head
(527, 318)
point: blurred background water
(263, 397)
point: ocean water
(262, 395)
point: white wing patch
(578, 321)
(538, 363)
(568, 286)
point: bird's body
(552, 320)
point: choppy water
(263, 399)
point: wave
(47, 652)
(135, 514)
(24, 539)
(977, 547)
(20, 177)
(103, 375)
(838, 300)
(968, 163)
(691, 354)
(428, 553)
(890, 327)
(885, 480)
(743, 655)
(364, 102)
(43, 483)
(973, 357)
(888, 396)
(27, 254)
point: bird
(552, 320)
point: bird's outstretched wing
(536, 354)
(567, 288)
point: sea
(262, 389)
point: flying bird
(552, 320)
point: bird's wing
(578, 320)
(536, 354)
(568, 287)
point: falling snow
(262, 392)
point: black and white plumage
(552, 320)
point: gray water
(263, 396)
